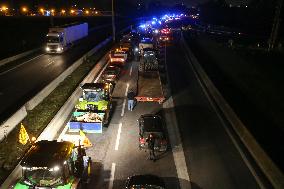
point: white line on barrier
(118, 137)
(110, 184)
(96, 80)
(130, 72)
(2, 73)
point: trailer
(60, 38)
(149, 87)
(92, 110)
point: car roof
(151, 123)
(146, 180)
(47, 154)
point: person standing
(130, 97)
(151, 147)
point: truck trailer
(149, 87)
(92, 110)
(60, 38)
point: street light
(24, 9)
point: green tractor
(56, 165)
(92, 111)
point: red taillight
(142, 140)
(163, 142)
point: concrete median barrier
(7, 126)
(270, 170)
(18, 56)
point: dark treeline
(256, 18)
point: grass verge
(11, 151)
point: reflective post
(113, 21)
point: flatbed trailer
(149, 87)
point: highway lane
(19, 83)
(211, 157)
(115, 152)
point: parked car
(152, 124)
(144, 181)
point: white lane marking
(96, 80)
(126, 91)
(130, 72)
(2, 73)
(118, 137)
(124, 101)
(176, 144)
(110, 184)
(123, 107)
(49, 63)
(214, 106)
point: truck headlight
(47, 49)
(58, 49)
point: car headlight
(47, 49)
(136, 49)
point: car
(118, 56)
(111, 74)
(164, 38)
(152, 124)
(144, 181)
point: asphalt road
(27, 77)
(115, 152)
(212, 159)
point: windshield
(43, 177)
(94, 96)
(52, 39)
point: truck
(149, 87)
(53, 164)
(60, 38)
(118, 57)
(93, 108)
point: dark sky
(106, 3)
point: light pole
(113, 21)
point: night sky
(103, 3)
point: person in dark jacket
(130, 97)
(151, 144)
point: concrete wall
(7, 126)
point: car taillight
(142, 140)
(163, 142)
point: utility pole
(113, 20)
(275, 27)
